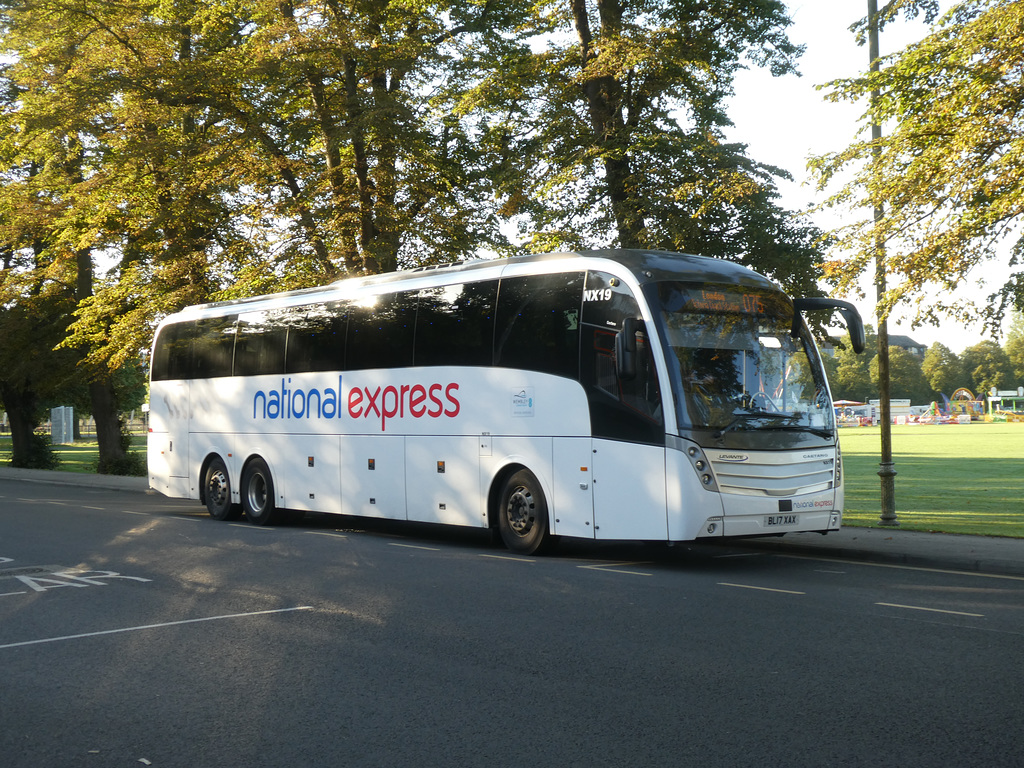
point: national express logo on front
(389, 402)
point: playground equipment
(1006, 405)
(964, 403)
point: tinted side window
(620, 409)
(455, 324)
(607, 301)
(213, 347)
(316, 338)
(538, 321)
(259, 343)
(172, 352)
(381, 335)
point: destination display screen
(680, 297)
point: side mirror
(854, 324)
(625, 349)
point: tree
(237, 149)
(1015, 345)
(948, 169)
(988, 366)
(906, 379)
(619, 118)
(943, 369)
(205, 149)
(34, 311)
(98, 157)
(358, 100)
(849, 374)
(853, 378)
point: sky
(786, 120)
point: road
(135, 630)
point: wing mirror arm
(854, 323)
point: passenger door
(629, 491)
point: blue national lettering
(295, 403)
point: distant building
(907, 343)
(828, 346)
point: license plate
(773, 521)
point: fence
(63, 428)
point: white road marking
(616, 568)
(510, 557)
(931, 610)
(413, 546)
(154, 626)
(762, 589)
(741, 554)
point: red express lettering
(392, 402)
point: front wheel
(523, 514)
(258, 493)
(217, 492)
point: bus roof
(645, 265)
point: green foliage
(1014, 345)
(906, 379)
(978, 368)
(612, 134)
(944, 370)
(132, 463)
(988, 366)
(39, 454)
(947, 171)
(215, 149)
(853, 377)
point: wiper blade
(746, 416)
(819, 431)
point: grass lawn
(954, 478)
(82, 456)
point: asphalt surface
(985, 554)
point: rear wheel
(258, 493)
(523, 514)
(217, 491)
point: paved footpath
(946, 551)
(986, 554)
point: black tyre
(523, 514)
(217, 492)
(258, 498)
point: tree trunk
(108, 426)
(22, 414)
(112, 452)
(604, 97)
